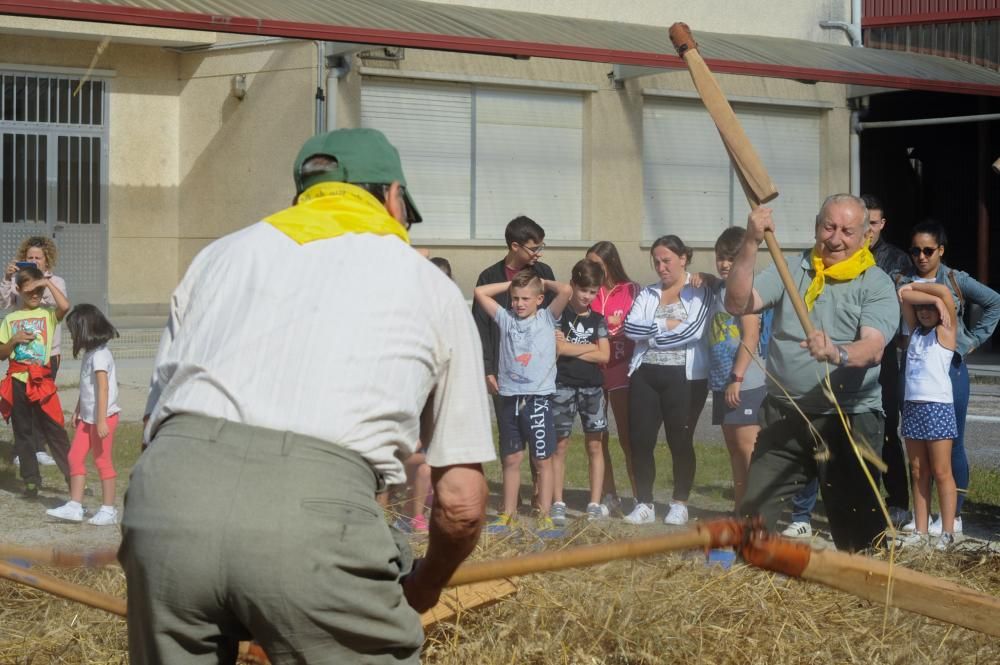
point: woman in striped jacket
(668, 373)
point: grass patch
(713, 476)
(124, 454)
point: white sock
(73, 504)
(109, 509)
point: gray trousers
(232, 531)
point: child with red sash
(28, 392)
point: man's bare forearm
(456, 519)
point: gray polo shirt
(841, 310)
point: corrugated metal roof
(899, 12)
(416, 24)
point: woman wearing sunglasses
(927, 244)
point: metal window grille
(53, 137)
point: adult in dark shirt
(894, 261)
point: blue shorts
(929, 421)
(746, 413)
(527, 420)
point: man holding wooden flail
(303, 357)
(853, 307)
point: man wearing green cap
(303, 358)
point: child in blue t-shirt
(526, 379)
(734, 377)
(582, 346)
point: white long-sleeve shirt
(642, 326)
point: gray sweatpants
(232, 531)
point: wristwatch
(843, 356)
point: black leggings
(661, 394)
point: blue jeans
(959, 374)
(804, 502)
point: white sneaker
(70, 511)
(910, 526)
(106, 516)
(944, 542)
(643, 513)
(935, 527)
(17, 461)
(44, 458)
(678, 514)
(915, 539)
(798, 530)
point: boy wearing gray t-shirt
(527, 380)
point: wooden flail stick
(756, 182)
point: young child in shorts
(582, 345)
(735, 376)
(526, 381)
(929, 422)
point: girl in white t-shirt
(929, 424)
(96, 414)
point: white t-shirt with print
(97, 360)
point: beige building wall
(236, 155)
(143, 114)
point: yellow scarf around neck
(843, 271)
(331, 209)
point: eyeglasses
(537, 249)
(926, 251)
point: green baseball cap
(364, 156)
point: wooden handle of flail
(54, 556)
(878, 582)
(62, 588)
(786, 279)
(752, 174)
(716, 533)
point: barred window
(52, 135)
(46, 99)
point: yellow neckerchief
(843, 271)
(331, 209)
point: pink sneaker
(419, 524)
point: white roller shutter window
(686, 174)
(431, 126)
(787, 141)
(529, 161)
(690, 189)
(475, 158)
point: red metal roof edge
(930, 17)
(181, 20)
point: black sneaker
(30, 491)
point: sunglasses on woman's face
(926, 251)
